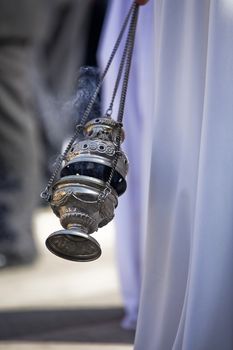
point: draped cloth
(187, 288)
(138, 112)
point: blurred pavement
(63, 305)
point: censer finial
(93, 168)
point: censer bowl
(75, 201)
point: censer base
(73, 245)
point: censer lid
(73, 245)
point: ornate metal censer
(92, 170)
(80, 198)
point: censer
(91, 174)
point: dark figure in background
(42, 45)
(71, 42)
(20, 153)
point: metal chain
(46, 193)
(116, 46)
(117, 83)
(126, 61)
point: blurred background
(47, 302)
(58, 304)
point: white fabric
(187, 292)
(139, 104)
(187, 287)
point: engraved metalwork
(82, 198)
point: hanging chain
(119, 76)
(46, 194)
(125, 63)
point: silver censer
(83, 198)
(93, 168)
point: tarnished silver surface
(81, 198)
(75, 202)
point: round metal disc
(73, 245)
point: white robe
(187, 285)
(187, 289)
(138, 113)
